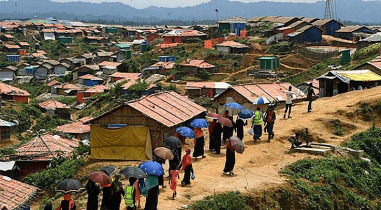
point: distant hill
(349, 10)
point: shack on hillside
(128, 131)
(336, 82)
(15, 194)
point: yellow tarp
(367, 76)
(128, 143)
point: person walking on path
(186, 164)
(199, 143)
(151, 192)
(256, 124)
(161, 161)
(117, 192)
(289, 95)
(217, 137)
(239, 123)
(92, 192)
(211, 136)
(106, 200)
(174, 173)
(310, 92)
(130, 194)
(228, 131)
(270, 118)
(230, 159)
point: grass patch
(224, 201)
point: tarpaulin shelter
(128, 143)
(159, 113)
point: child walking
(174, 173)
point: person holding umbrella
(151, 188)
(228, 131)
(230, 159)
(211, 137)
(68, 186)
(217, 137)
(107, 198)
(186, 166)
(117, 192)
(92, 192)
(256, 124)
(239, 123)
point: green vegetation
(367, 52)
(61, 168)
(324, 183)
(337, 126)
(311, 73)
(224, 201)
(33, 88)
(280, 48)
(48, 122)
(66, 100)
(369, 141)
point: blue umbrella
(199, 123)
(152, 168)
(246, 114)
(234, 105)
(262, 100)
(185, 131)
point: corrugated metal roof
(235, 19)
(97, 89)
(90, 77)
(4, 123)
(232, 44)
(10, 90)
(131, 76)
(349, 29)
(360, 75)
(36, 149)
(74, 128)
(53, 104)
(15, 194)
(167, 108)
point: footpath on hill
(258, 167)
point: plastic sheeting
(129, 143)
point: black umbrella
(109, 170)
(133, 172)
(69, 185)
(172, 142)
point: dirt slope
(258, 167)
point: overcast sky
(168, 3)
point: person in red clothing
(270, 118)
(230, 159)
(67, 203)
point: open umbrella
(233, 108)
(69, 185)
(237, 144)
(185, 131)
(164, 153)
(109, 170)
(225, 122)
(133, 172)
(213, 115)
(199, 123)
(152, 168)
(99, 177)
(261, 100)
(172, 142)
(246, 114)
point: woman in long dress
(217, 137)
(239, 125)
(230, 159)
(93, 192)
(174, 173)
(151, 191)
(199, 143)
(186, 164)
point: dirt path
(258, 167)
(237, 72)
(294, 68)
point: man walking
(310, 92)
(270, 118)
(257, 124)
(289, 95)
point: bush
(281, 48)
(34, 88)
(367, 51)
(369, 141)
(61, 169)
(337, 126)
(224, 201)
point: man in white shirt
(289, 95)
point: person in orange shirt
(67, 203)
(199, 143)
